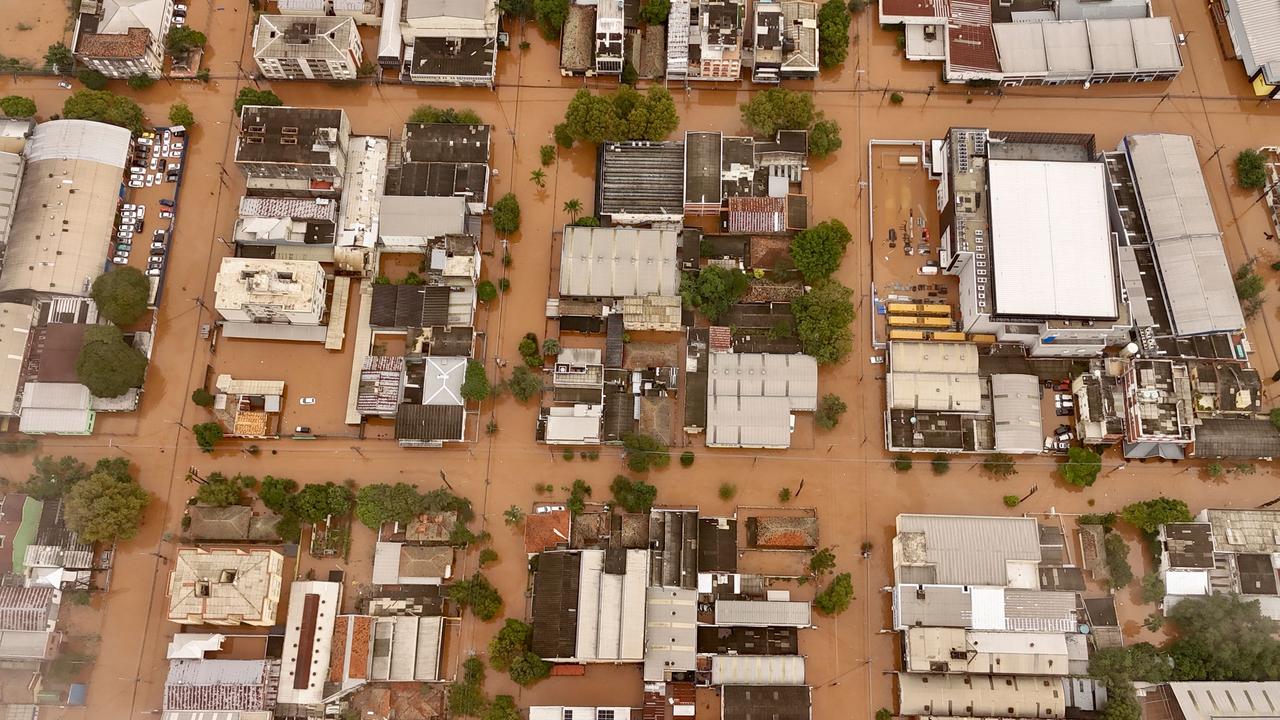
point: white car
(153, 272)
(307, 401)
(120, 260)
(64, 85)
(177, 146)
(179, 20)
(165, 214)
(135, 183)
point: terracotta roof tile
(128, 45)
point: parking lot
(144, 226)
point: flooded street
(847, 474)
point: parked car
(157, 254)
(166, 202)
(119, 260)
(124, 235)
(153, 272)
(165, 215)
(135, 183)
(123, 248)
(179, 20)
(307, 401)
(64, 85)
(156, 246)
(177, 146)
(303, 429)
(128, 206)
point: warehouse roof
(618, 262)
(777, 702)
(220, 684)
(641, 179)
(967, 550)
(1239, 438)
(1021, 696)
(671, 632)
(1051, 239)
(1210, 700)
(313, 610)
(960, 650)
(750, 397)
(421, 217)
(1015, 411)
(984, 608)
(763, 613)
(582, 612)
(1258, 38)
(757, 670)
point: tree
(654, 12)
(381, 503)
(182, 39)
(503, 707)
(107, 365)
(547, 154)
(429, 114)
(51, 478)
(207, 435)
(277, 493)
(941, 464)
(180, 114)
(318, 501)
(572, 208)
(475, 386)
(1274, 415)
(822, 562)
(1011, 501)
(830, 408)
(16, 106)
(999, 465)
(635, 496)
(563, 137)
(524, 383)
(578, 494)
(550, 346)
(58, 58)
(1251, 171)
(1081, 468)
(91, 79)
(103, 509)
(550, 16)
(896, 98)
(121, 294)
(817, 251)
(1149, 515)
(823, 318)
(727, 491)
(713, 290)
(478, 595)
(466, 699)
(778, 109)
(506, 214)
(824, 138)
(592, 118)
(882, 713)
(1117, 554)
(1223, 637)
(486, 291)
(511, 642)
(252, 96)
(202, 397)
(835, 599)
(686, 458)
(644, 452)
(528, 669)
(141, 81)
(513, 516)
(587, 221)
(833, 33)
(105, 107)
(1153, 590)
(1249, 284)
(902, 462)
(538, 177)
(218, 491)
(625, 115)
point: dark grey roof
(452, 341)
(717, 547)
(641, 177)
(555, 605)
(747, 640)
(467, 57)
(437, 179)
(1237, 438)
(673, 539)
(429, 422)
(613, 344)
(702, 167)
(446, 142)
(303, 126)
(743, 702)
(1190, 545)
(409, 306)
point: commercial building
(640, 182)
(614, 262)
(781, 702)
(225, 586)
(1224, 551)
(65, 210)
(576, 407)
(313, 613)
(719, 168)
(449, 42)
(293, 152)
(589, 608)
(286, 221)
(290, 292)
(671, 633)
(122, 38)
(12, 164)
(786, 41)
(1208, 700)
(704, 40)
(407, 224)
(1250, 23)
(1071, 42)
(443, 160)
(610, 31)
(220, 686)
(763, 613)
(751, 398)
(1006, 696)
(248, 408)
(404, 564)
(560, 712)
(299, 47)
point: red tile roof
(757, 214)
(720, 338)
(915, 8)
(132, 44)
(543, 531)
(972, 44)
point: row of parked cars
(156, 159)
(132, 218)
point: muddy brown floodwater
(846, 472)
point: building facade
(294, 47)
(123, 38)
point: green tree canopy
(91, 78)
(116, 467)
(1251, 173)
(824, 138)
(713, 290)
(59, 56)
(380, 503)
(635, 496)
(1249, 284)
(182, 39)
(486, 291)
(627, 114)
(835, 598)
(475, 387)
(578, 495)
(822, 562)
(506, 214)
(1149, 515)
(51, 478)
(503, 707)
(101, 508)
(830, 408)
(107, 365)
(1223, 637)
(428, 114)
(317, 501)
(644, 452)
(207, 435)
(180, 114)
(103, 106)
(1117, 554)
(1000, 465)
(17, 106)
(833, 33)
(817, 251)
(276, 493)
(1081, 467)
(218, 490)
(478, 595)
(823, 318)
(202, 397)
(511, 642)
(654, 12)
(252, 96)
(524, 383)
(550, 16)
(121, 294)
(779, 109)
(528, 669)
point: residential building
(1072, 42)
(1208, 700)
(588, 608)
(786, 41)
(1248, 22)
(293, 152)
(28, 621)
(123, 38)
(220, 686)
(308, 641)
(225, 586)
(449, 42)
(248, 408)
(297, 47)
(381, 648)
(286, 221)
(751, 398)
(433, 410)
(577, 41)
(290, 292)
(443, 160)
(719, 168)
(70, 188)
(237, 524)
(714, 40)
(558, 712)
(404, 564)
(55, 557)
(576, 410)
(610, 31)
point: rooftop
(763, 613)
(446, 143)
(1210, 700)
(230, 524)
(985, 608)
(245, 685)
(967, 550)
(308, 640)
(763, 702)
(285, 285)
(430, 423)
(304, 36)
(641, 179)
(750, 397)
(545, 528)
(291, 135)
(938, 695)
(470, 57)
(225, 586)
(618, 262)
(1245, 531)
(606, 622)
(400, 564)
(670, 637)
(1238, 438)
(1188, 545)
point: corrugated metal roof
(1256, 34)
(762, 613)
(671, 634)
(1019, 696)
(611, 608)
(967, 550)
(757, 670)
(618, 262)
(1015, 410)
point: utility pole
(1034, 488)
(445, 480)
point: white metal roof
(1154, 44)
(932, 357)
(1015, 410)
(421, 217)
(1021, 47)
(611, 618)
(1066, 47)
(757, 670)
(1255, 32)
(671, 632)
(750, 397)
(1051, 240)
(15, 329)
(1186, 582)
(763, 613)
(618, 262)
(55, 408)
(79, 140)
(966, 549)
(330, 594)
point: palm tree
(539, 178)
(573, 207)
